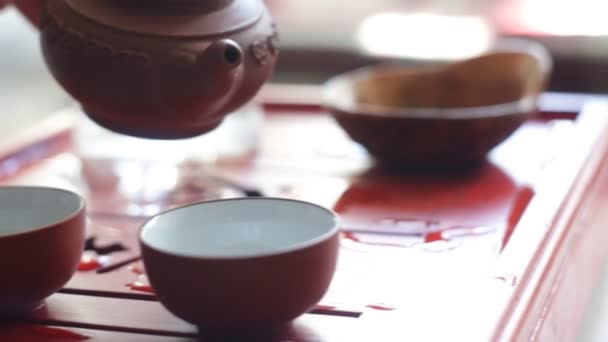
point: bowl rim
(36, 188)
(335, 229)
(337, 97)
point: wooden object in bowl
(439, 116)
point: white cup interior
(24, 209)
(246, 227)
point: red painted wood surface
(561, 270)
(579, 266)
(416, 249)
(27, 332)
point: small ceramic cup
(241, 268)
(42, 232)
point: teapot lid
(171, 18)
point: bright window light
(566, 17)
(425, 36)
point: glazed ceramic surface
(159, 69)
(41, 241)
(241, 266)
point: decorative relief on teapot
(263, 49)
(184, 56)
(273, 40)
(260, 51)
(74, 42)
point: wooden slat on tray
(145, 317)
(47, 333)
(110, 314)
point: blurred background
(321, 38)
(27, 90)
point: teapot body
(159, 69)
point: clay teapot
(163, 69)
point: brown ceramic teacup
(42, 233)
(241, 268)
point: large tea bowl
(241, 268)
(439, 116)
(42, 232)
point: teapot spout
(222, 66)
(224, 55)
(221, 69)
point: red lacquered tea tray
(506, 252)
